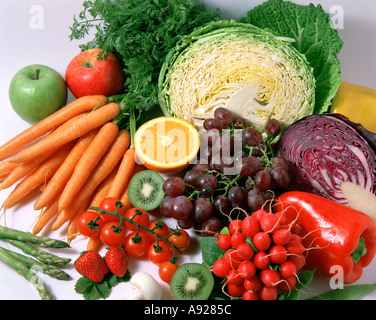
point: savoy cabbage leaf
(314, 36)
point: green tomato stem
(122, 218)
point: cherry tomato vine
(153, 231)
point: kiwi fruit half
(145, 190)
(192, 281)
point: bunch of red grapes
(236, 173)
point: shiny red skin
(86, 75)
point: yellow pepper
(357, 103)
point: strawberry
(117, 261)
(91, 265)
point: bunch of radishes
(262, 256)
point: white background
(22, 45)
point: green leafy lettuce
(314, 36)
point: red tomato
(110, 236)
(158, 227)
(109, 204)
(142, 219)
(137, 246)
(83, 221)
(166, 270)
(180, 239)
(160, 253)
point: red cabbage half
(326, 150)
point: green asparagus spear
(24, 271)
(8, 233)
(52, 271)
(41, 255)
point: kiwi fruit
(192, 281)
(145, 190)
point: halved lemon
(166, 144)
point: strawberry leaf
(112, 280)
(91, 290)
(94, 291)
(125, 278)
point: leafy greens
(315, 37)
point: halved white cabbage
(240, 67)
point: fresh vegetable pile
(83, 151)
(258, 155)
(109, 224)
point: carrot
(89, 159)
(123, 175)
(94, 244)
(7, 166)
(24, 169)
(45, 217)
(72, 230)
(102, 170)
(101, 192)
(57, 183)
(53, 121)
(38, 177)
(69, 131)
(124, 197)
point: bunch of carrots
(74, 158)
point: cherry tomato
(137, 246)
(110, 237)
(142, 219)
(166, 270)
(158, 227)
(109, 204)
(83, 221)
(180, 238)
(160, 253)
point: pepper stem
(360, 250)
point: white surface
(22, 45)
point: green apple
(36, 91)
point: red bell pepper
(331, 231)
